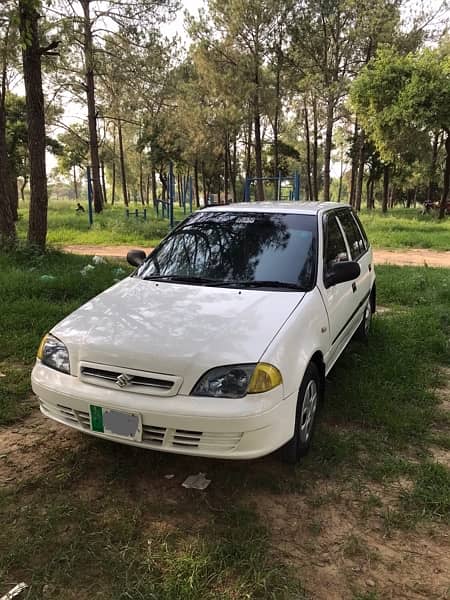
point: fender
(304, 333)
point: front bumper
(220, 428)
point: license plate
(121, 424)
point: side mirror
(136, 257)
(343, 271)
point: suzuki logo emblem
(123, 380)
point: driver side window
(335, 248)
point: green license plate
(116, 422)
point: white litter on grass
(196, 482)
(98, 260)
(15, 591)
(2, 375)
(84, 271)
(169, 476)
(46, 278)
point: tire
(363, 331)
(308, 401)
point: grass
(400, 228)
(94, 543)
(406, 228)
(30, 305)
(65, 227)
(101, 521)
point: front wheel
(309, 398)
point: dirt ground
(417, 257)
(338, 549)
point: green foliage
(401, 99)
(74, 148)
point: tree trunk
(258, 157)
(141, 180)
(234, 169)
(196, 184)
(147, 189)
(113, 168)
(385, 188)
(445, 191)
(122, 163)
(360, 177)
(308, 151)
(104, 182)
(31, 54)
(315, 180)
(369, 187)
(22, 187)
(179, 189)
(205, 191)
(113, 182)
(92, 113)
(248, 150)
(354, 173)
(227, 167)
(276, 121)
(433, 167)
(154, 187)
(341, 175)
(327, 150)
(7, 226)
(14, 195)
(75, 182)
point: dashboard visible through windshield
(238, 249)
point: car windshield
(238, 249)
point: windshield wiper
(259, 284)
(180, 279)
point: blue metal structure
(294, 179)
(165, 208)
(136, 213)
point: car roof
(277, 207)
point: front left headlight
(54, 354)
(235, 381)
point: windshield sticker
(245, 220)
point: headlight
(54, 354)
(237, 380)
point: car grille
(134, 381)
(152, 436)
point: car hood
(174, 328)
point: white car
(219, 343)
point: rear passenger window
(361, 228)
(354, 236)
(335, 248)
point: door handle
(354, 287)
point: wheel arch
(317, 360)
(373, 297)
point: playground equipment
(136, 213)
(292, 189)
(165, 208)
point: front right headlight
(235, 381)
(54, 354)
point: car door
(339, 299)
(359, 252)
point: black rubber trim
(351, 318)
